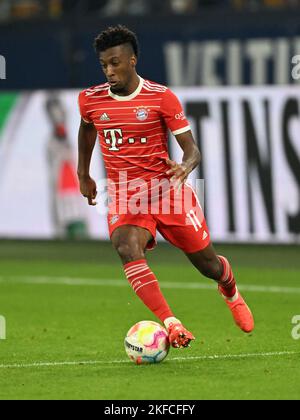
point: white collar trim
(129, 97)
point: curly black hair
(114, 36)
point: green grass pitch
(68, 307)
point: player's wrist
(83, 176)
(187, 167)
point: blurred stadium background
(235, 66)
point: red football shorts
(178, 217)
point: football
(147, 342)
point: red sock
(145, 285)
(227, 282)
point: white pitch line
(70, 281)
(172, 359)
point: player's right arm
(86, 142)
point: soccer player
(132, 117)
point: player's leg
(218, 268)
(188, 231)
(130, 243)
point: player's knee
(129, 251)
(211, 269)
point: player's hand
(88, 189)
(179, 174)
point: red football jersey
(133, 130)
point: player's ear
(133, 61)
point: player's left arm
(175, 119)
(191, 159)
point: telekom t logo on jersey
(114, 137)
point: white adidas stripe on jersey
(97, 91)
(150, 82)
(151, 89)
(98, 88)
(155, 86)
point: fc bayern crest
(142, 114)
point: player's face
(118, 64)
